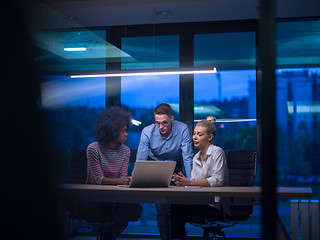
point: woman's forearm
(115, 181)
(200, 182)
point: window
(230, 94)
(149, 52)
(143, 93)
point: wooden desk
(171, 195)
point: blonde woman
(209, 170)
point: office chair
(242, 171)
(77, 166)
(96, 215)
(84, 212)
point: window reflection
(61, 91)
(71, 109)
(297, 107)
(53, 59)
(150, 52)
(298, 135)
(298, 116)
(298, 44)
(225, 51)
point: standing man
(166, 140)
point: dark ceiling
(51, 14)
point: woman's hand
(125, 180)
(180, 179)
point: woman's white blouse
(214, 167)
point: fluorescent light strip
(144, 73)
(232, 120)
(75, 49)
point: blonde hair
(209, 123)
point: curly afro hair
(110, 122)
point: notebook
(152, 174)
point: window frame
(186, 32)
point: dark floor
(154, 238)
(150, 231)
(146, 228)
(157, 238)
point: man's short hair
(162, 109)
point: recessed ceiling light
(163, 13)
(72, 18)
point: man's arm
(187, 152)
(143, 148)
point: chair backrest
(241, 166)
(133, 155)
(77, 166)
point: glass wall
(72, 106)
(63, 51)
(298, 107)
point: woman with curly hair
(108, 157)
(108, 160)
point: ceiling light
(75, 49)
(232, 120)
(163, 13)
(144, 72)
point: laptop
(148, 174)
